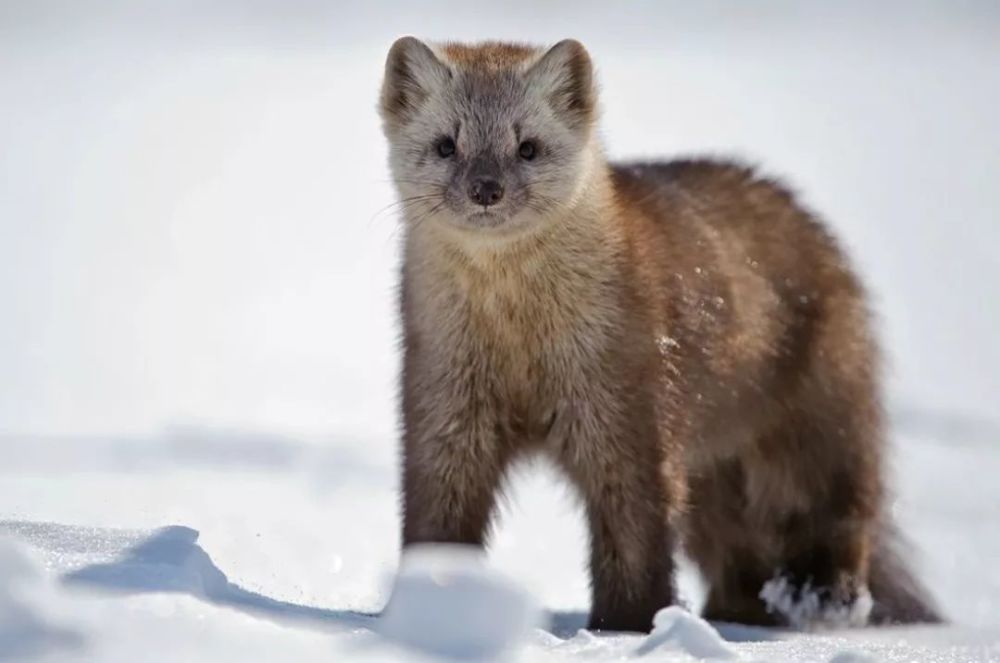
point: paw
(805, 606)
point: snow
(851, 657)
(447, 601)
(293, 560)
(675, 628)
(802, 607)
(24, 630)
(197, 320)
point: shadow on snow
(171, 560)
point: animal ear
(566, 76)
(412, 73)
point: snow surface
(674, 628)
(197, 318)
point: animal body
(685, 341)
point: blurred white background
(190, 193)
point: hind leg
(815, 479)
(792, 516)
(782, 533)
(734, 594)
(734, 558)
(822, 576)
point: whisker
(412, 180)
(427, 214)
(403, 204)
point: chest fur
(522, 330)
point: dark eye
(446, 148)
(527, 150)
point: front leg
(629, 493)
(453, 464)
(449, 490)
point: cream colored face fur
(486, 102)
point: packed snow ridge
(676, 629)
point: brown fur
(490, 56)
(690, 346)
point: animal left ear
(566, 76)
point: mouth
(486, 219)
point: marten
(683, 339)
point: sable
(684, 340)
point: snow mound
(446, 602)
(23, 630)
(806, 611)
(675, 628)
(168, 561)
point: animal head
(489, 138)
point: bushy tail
(898, 597)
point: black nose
(485, 192)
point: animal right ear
(566, 76)
(412, 73)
